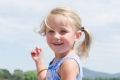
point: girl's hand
(36, 53)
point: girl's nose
(57, 35)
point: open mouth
(57, 44)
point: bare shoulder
(69, 70)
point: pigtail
(84, 48)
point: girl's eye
(63, 31)
(50, 31)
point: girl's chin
(60, 51)
(56, 51)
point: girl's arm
(41, 68)
(69, 70)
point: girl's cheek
(49, 38)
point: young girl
(63, 30)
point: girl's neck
(61, 55)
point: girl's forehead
(58, 20)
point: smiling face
(60, 34)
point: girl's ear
(78, 35)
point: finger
(33, 53)
(38, 50)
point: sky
(20, 18)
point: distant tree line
(31, 75)
(17, 75)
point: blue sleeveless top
(53, 68)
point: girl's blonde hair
(82, 49)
